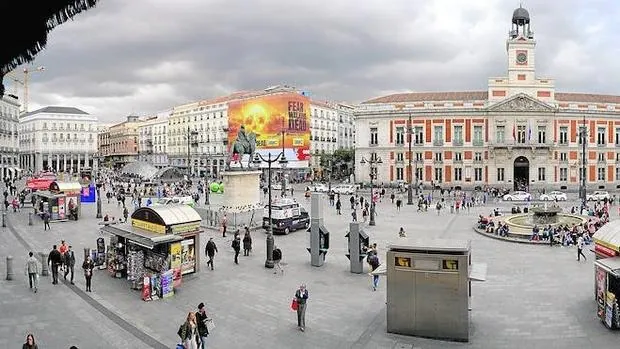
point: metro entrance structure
(518, 134)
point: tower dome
(520, 16)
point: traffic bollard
(29, 218)
(9, 268)
(44, 267)
(3, 219)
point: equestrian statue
(245, 143)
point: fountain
(545, 215)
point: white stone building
(9, 147)
(519, 133)
(61, 139)
(346, 126)
(153, 140)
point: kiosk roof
(70, 187)
(171, 214)
(443, 245)
(142, 237)
(609, 235)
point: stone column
(78, 163)
(58, 162)
(86, 164)
(64, 166)
(71, 168)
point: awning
(141, 237)
(610, 265)
(609, 235)
(46, 194)
(168, 215)
(66, 187)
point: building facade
(60, 139)
(519, 133)
(9, 144)
(153, 140)
(119, 143)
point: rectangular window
(563, 174)
(478, 174)
(438, 135)
(419, 157)
(439, 156)
(477, 156)
(521, 134)
(563, 135)
(400, 174)
(400, 135)
(541, 174)
(400, 157)
(374, 136)
(618, 173)
(458, 174)
(600, 136)
(601, 157)
(542, 134)
(600, 173)
(438, 174)
(563, 157)
(458, 135)
(500, 134)
(617, 138)
(500, 174)
(419, 135)
(458, 157)
(478, 140)
(418, 173)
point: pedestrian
(54, 259)
(46, 221)
(373, 260)
(125, 214)
(69, 263)
(352, 200)
(30, 343)
(399, 202)
(201, 322)
(88, 267)
(401, 233)
(210, 251)
(247, 243)
(301, 295)
(188, 332)
(354, 215)
(338, 207)
(224, 224)
(277, 258)
(236, 245)
(32, 270)
(580, 244)
(63, 250)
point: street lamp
(190, 143)
(98, 186)
(373, 162)
(410, 170)
(258, 159)
(283, 162)
(583, 136)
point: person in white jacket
(32, 271)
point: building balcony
(457, 142)
(517, 145)
(372, 144)
(399, 144)
(563, 143)
(477, 143)
(438, 142)
(437, 162)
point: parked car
(598, 196)
(319, 188)
(286, 216)
(345, 189)
(517, 196)
(553, 196)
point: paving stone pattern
(534, 296)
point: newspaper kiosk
(607, 274)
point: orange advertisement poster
(269, 116)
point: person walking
(30, 343)
(354, 215)
(224, 225)
(247, 242)
(201, 321)
(188, 332)
(88, 267)
(277, 258)
(580, 244)
(338, 207)
(32, 270)
(46, 221)
(210, 251)
(301, 295)
(69, 263)
(54, 259)
(236, 245)
(373, 260)
(63, 250)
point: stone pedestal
(241, 191)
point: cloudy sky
(144, 56)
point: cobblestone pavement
(534, 296)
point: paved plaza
(534, 296)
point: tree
(340, 163)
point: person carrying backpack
(373, 260)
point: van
(286, 216)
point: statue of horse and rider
(244, 144)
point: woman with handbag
(88, 267)
(188, 332)
(301, 297)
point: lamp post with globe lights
(373, 162)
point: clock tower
(521, 49)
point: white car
(345, 189)
(598, 196)
(276, 186)
(517, 196)
(553, 196)
(319, 188)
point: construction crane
(24, 83)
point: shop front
(156, 250)
(61, 201)
(607, 273)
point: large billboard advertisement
(267, 117)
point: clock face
(521, 58)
